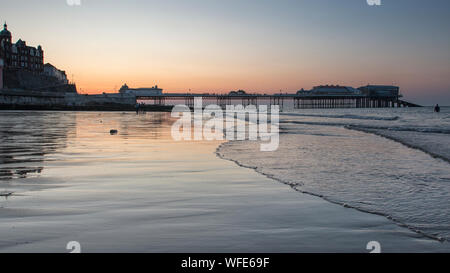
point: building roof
(330, 90)
(380, 86)
(5, 31)
(20, 43)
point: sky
(263, 46)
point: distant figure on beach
(437, 109)
(137, 106)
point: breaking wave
(342, 116)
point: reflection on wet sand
(149, 125)
(25, 139)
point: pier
(299, 101)
(329, 96)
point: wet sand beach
(141, 191)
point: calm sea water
(348, 156)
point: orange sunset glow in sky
(256, 45)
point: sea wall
(103, 99)
(37, 100)
(16, 99)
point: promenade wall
(37, 100)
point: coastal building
(380, 90)
(336, 96)
(142, 92)
(24, 69)
(50, 70)
(18, 55)
(330, 90)
(239, 92)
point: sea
(393, 162)
(339, 179)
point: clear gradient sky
(255, 45)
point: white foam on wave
(347, 116)
(432, 143)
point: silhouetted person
(437, 109)
(137, 106)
